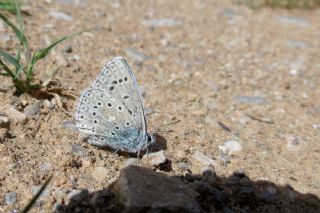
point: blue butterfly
(110, 111)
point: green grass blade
(4, 74)
(6, 69)
(39, 54)
(34, 199)
(8, 5)
(16, 30)
(18, 72)
(18, 55)
(25, 41)
(9, 58)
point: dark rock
(78, 195)
(138, 189)
(246, 195)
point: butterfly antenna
(174, 122)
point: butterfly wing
(111, 110)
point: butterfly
(110, 111)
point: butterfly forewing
(118, 80)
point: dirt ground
(195, 68)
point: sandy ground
(195, 69)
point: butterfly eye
(130, 112)
(120, 80)
(126, 96)
(114, 82)
(111, 88)
(99, 103)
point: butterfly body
(110, 111)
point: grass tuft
(22, 73)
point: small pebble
(16, 116)
(183, 166)
(293, 143)
(205, 160)
(255, 100)
(4, 121)
(60, 16)
(208, 171)
(135, 54)
(70, 125)
(293, 20)
(232, 146)
(132, 161)
(67, 49)
(10, 198)
(78, 150)
(33, 109)
(162, 22)
(154, 159)
(46, 166)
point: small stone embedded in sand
(78, 150)
(132, 161)
(208, 171)
(164, 22)
(183, 166)
(70, 125)
(32, 109)
(46, 166)
(154, 159)
(60, 15)
(15, 115)
(294, 143)
(231, 147)
(293, 20)
(203, 159)
(255, 100)
(135, 54)
(4, 121)
(10, 198)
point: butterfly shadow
(157, 143)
